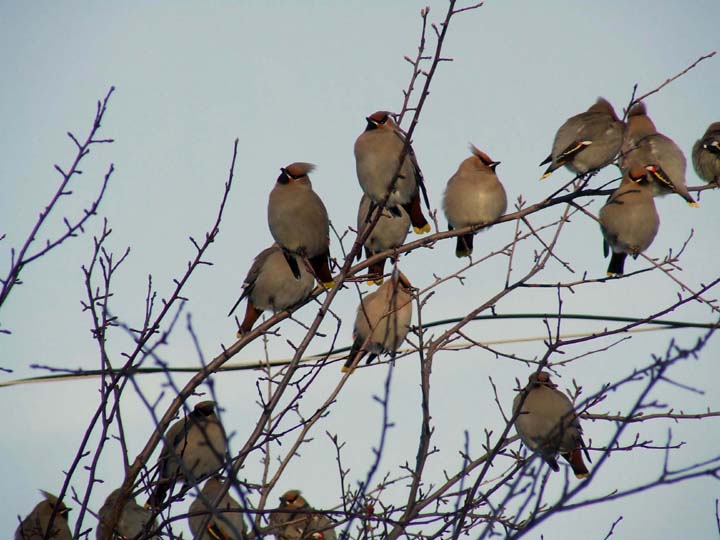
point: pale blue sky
(294, 82)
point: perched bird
(377, 157)
(195, 448)
(587, 141)
(474, 196)
(382, 321)
(35, 525)
(295, 519)
(706, 155)
(629, 220)
(299, 222)
(661, 158)
(227, 522)
(271, 285)
(389, 232)
(547, 424)
(131, 522)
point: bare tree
(500, 490)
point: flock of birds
(283, 275)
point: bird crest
(298, 169)
(482, 156)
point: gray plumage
(231, 526)
(131, 522)
(35, 525)
(547, 423)
(662, 159)
(706, 154)
(473, 196)
(377, 155)
(382, 321)
(194, 448)
(295, 519)
(297, 217)
(271, 285)
(389, 232)
(587, 141)
(629, 220)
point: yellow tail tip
(544, 176)
(582, 475)
(422, 230)
(328, 284)
(346, 369)
(694, 204)
(375, 281)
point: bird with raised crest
(299, 222)
(37, 525)
(377, 162)
(473, 196)
(295, 519)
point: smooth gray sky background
(294, 82)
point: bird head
(53, 502)
(292, 499)
(602, 105)
(541, 378)
(379, 119)
(295, 173)
(483, 157)
(205, 408)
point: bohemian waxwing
(382, 321)
(271, 285)
(389, 232)
(195, 448)
(35, 525)
(629, 220)
(706, 155)
(227, 522)
(295, 519)
(299, 222)
(474, 196)
(547, 424)
(377, 156)
(587, 141)
(662, 159)
(132, 521)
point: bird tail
(376, 271)
(251, 315)
(617, 264)
(419, 223)
(321, 267)
(464, 245)
(575, 460)
(356, 354)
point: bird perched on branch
(295, 519)
(35, 525)
(382, 321)
(629, 220)
(194, 448)
(377, 161)
(706, 155)
(662, 159)
(474, 196)
(271, 285)
(587, 141)
(547, 424)
(299, 221)
(227, 521)
(131, 522)
(389, 232)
